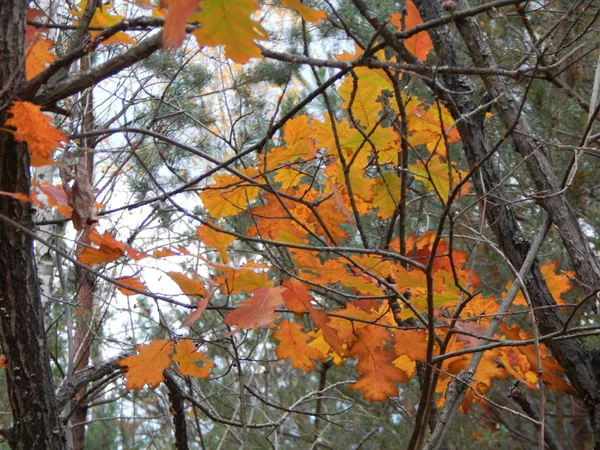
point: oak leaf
(293, 344)
(200, 306)
(37, 56)
(103, 19)
(228, 195)
(32, 32)
(189, 359)
(434, 175)
(174, 29)
(109, 249)
(211, 237)
(228, 23)
(298, 299)
(308, 14)
(418, 44)
(133, 282)
(163, 253)
(246, 278)
(34, 127)
(148, 365)
(257, 311)
(378, 375)
(190, 287)
(56, 196)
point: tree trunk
(36, 423)
(576, 359)
(85, 281)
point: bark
(178, 412)
(35, 419)
(553, 198)
(572, 354)
(85, 281)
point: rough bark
(178, 412)
(572, 354)
(35, 419)
(552, 197)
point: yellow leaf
(147, 367)
(308, 14)
(386, 194)
(228, 196)
(299, 143)
(103, 19)
(236, 279)
(228, 23)
(434, 175)
(188, 358)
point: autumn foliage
(311, 212)
(298, 238)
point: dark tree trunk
(36, 423)
(576, 359)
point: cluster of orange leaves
(320, 183)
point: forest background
(328, 224)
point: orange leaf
(293, 345)
(109, 249)
(200, 307)
(56, 197)
(33, 126)
(418, 44)
(216, 239)
(91, 256)
(147, 367)
(18, 196)
(188, 359)
(236, 279)
(37, 56)
(299, 143)
(163, 252)
(296, 296)
(258, 311)
(191, 288)
(3, 362)
(308, 14)
(228, 195)
(378, 375)
(298, 299)
(411, 343)
(174, 30)
(228, 23)
(134, 283)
